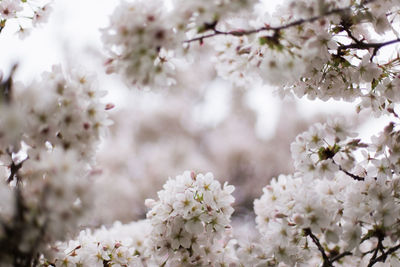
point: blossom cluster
(344, 203)
(190, 229)
(328, 148)
(69, 116)
(47, 144)
(347, 217)
(26, 13)
(190, 220)
(55, 195)
(145, 38)
(381, 159)
(321, 49)
(324, 148)
(120, 245)
(136, 46)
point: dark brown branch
(383, 256)
(350, 34)
(6, 86)
(341, 255)
(14, 168)
(379, 246)
(355, 177)
(277, 28)
(367, 46)
(327, 261)
(367, 252)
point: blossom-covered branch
(275, 29)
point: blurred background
(242, 135)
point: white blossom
(190, 218)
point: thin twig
(367, 46)
(341, 255)
(355, 177)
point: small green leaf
(263, 40)
(374, 83)
(272, 42)
(325, 153)
(336, 148)
(337, 29)
(201, 29)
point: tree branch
(6, 86)
(341, 255)
(366, 46)
(14, 168)
(379, 247)
(355, 177)
(327, 261)
(277, 28)
(383, 256)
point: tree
(339, 207)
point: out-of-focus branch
(14, 168)
(6, 86)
